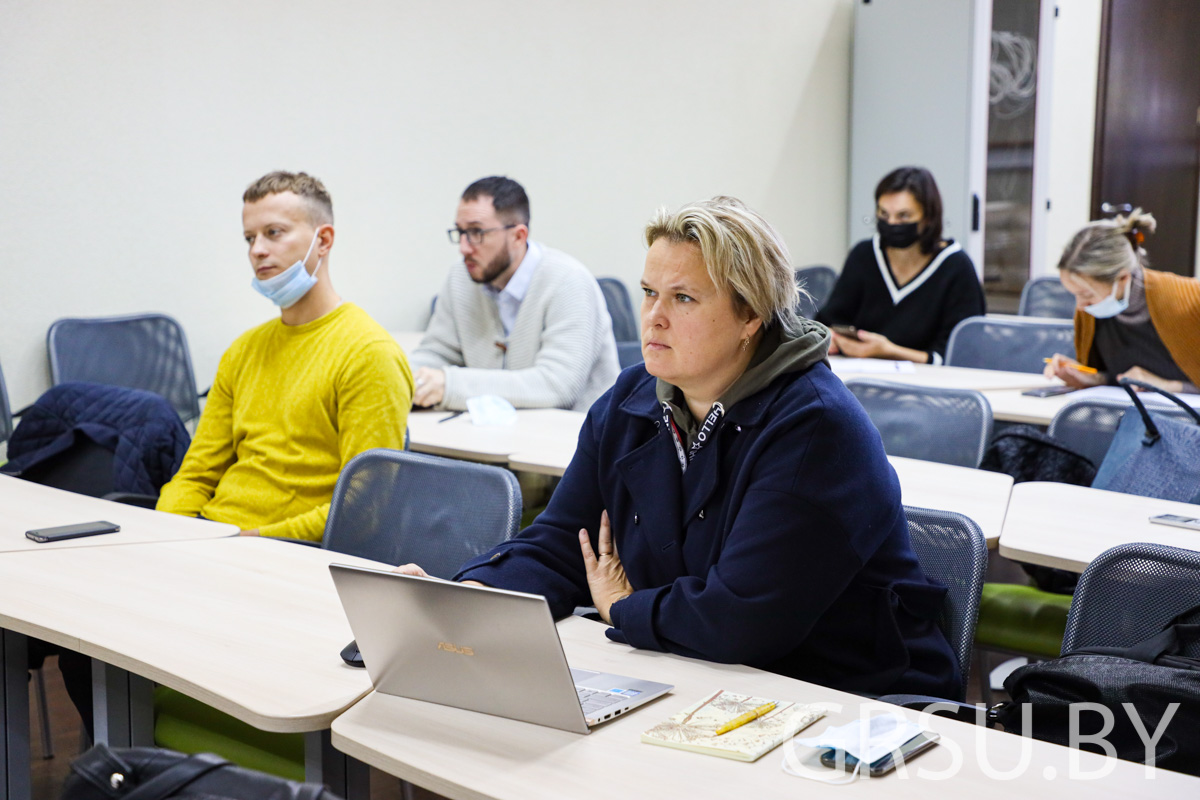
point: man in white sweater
(516, 318)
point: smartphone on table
(1048, 391)
(849, 331)
(1178, 521)
(58, 534)
(885, 764)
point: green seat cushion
(189, 726)
(1022, 619)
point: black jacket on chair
(141, 430)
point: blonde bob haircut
(1107, 247)
(745, 257)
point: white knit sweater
(560, 353)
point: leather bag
(149, 773)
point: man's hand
(1063, 368)
(605, 574)
(249, 532)
(411, 569)
(1146, 376)
(430, 387)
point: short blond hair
(745, 257)
(301, 184)
(1107, 247)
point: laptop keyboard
(592, 700)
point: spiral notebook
(695, 727)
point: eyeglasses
(474, 235)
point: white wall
(130, 130)
(1073, 124)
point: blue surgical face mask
(1109, 306)
(286, 288)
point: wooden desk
(249, 626)
(25, 506)
(1010, 405)
(981, 380)
(1064, 526)
(983, 496)
(466, 755)
(435, 432)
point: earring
(745, 343)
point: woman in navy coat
(730, 500)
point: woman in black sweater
(904, 289)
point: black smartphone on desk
(885, 764)
(43, 535)
(1048, 391)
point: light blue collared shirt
(508, 300)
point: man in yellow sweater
(297, 397)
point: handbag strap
(171, 780)
(1151, 428)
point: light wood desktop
(25, 506)
(943, 377)
(471, 756)
(439, 433)
(250, 626)
(1009, 405)
(1064, 526)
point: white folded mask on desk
(867, 740)
(490, 409)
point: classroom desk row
(253, 627)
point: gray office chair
(1046, 297)
(1088, 426)
(953, 551)
(1015, 345)
(629, 353)
(620, 308)
(950, 426)
(818, 281)
(6, 418)
(395, 507)
(140, 351)
(1129, 592)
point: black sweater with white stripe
(920, 314)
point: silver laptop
(476, 648)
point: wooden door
(1147, 149)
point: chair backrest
(950, 426)
(1128, 593)
(953, 551)
(6, 420)
(1088, 426)
(629, 353)
(620, 308)
(399, 507)
(1014, 345)
(140, 351)
(1046, 297)
(818, 281)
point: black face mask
(899, 236)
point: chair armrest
(131, 499)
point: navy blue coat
(784, 546)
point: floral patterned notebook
(695, 727)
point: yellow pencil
(749, 716)
(1079, 367)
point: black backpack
(1152, 680)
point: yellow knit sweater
(291, 404)
(1174, 305)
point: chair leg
(39, 685)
